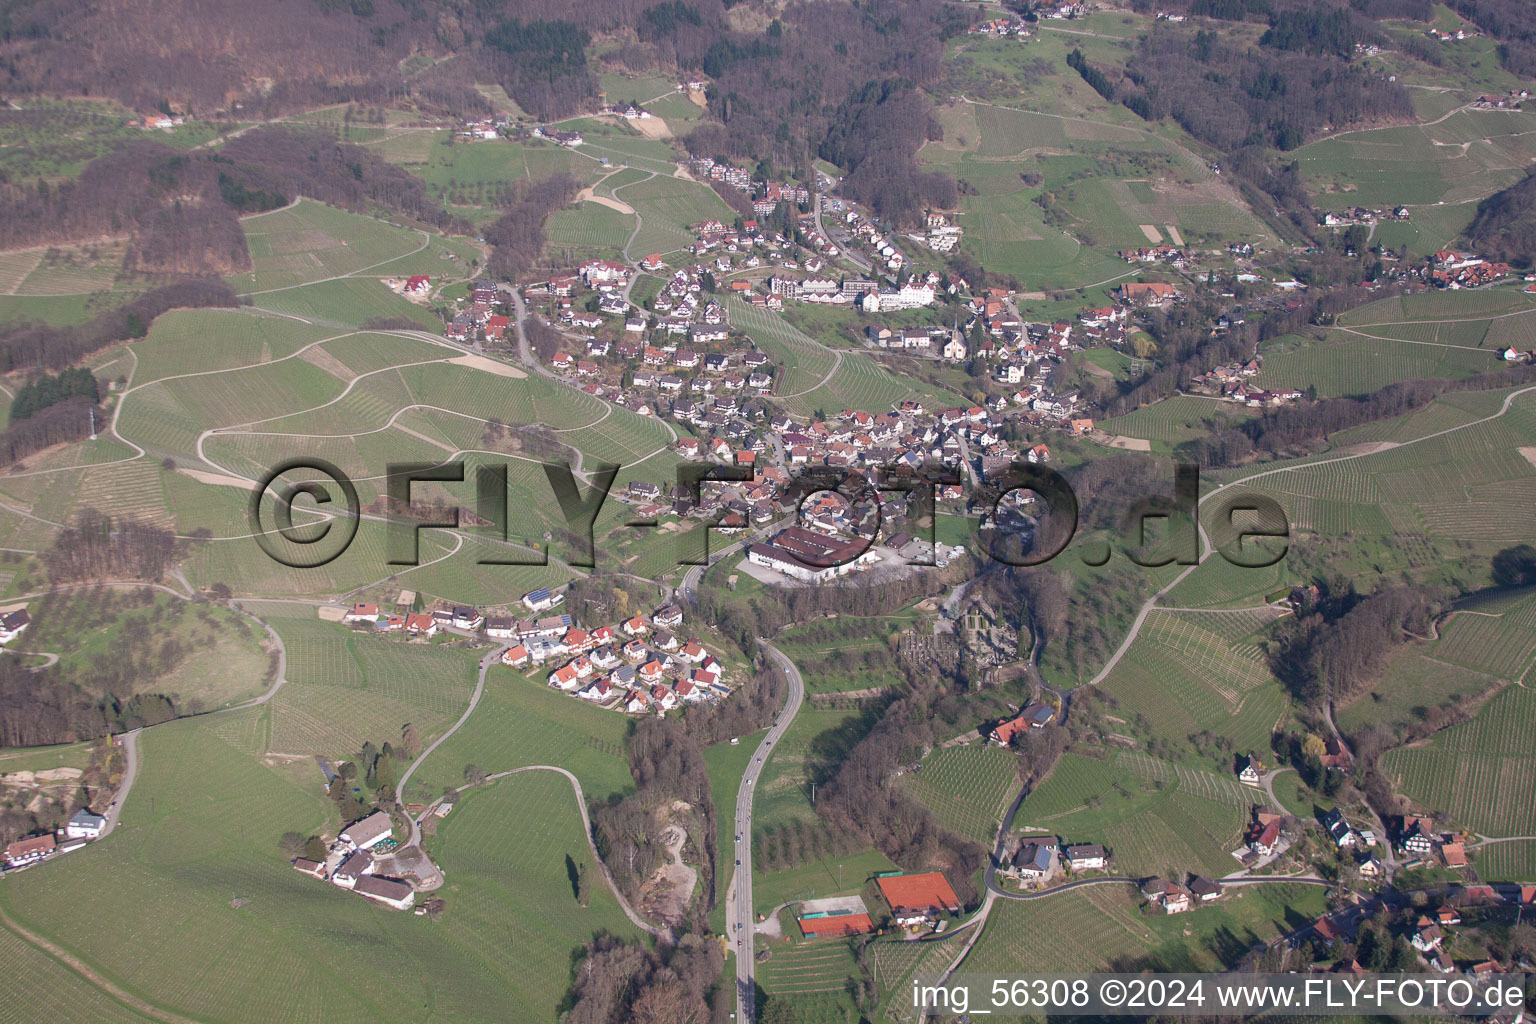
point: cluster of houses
(1002, 28)
(940, 235)
(638, 666)
(353, 862)
(918, 903)
(1071, 9)
(1168, 254)
(1362, 215)
(1428, 931)
(562, 138)
(477, 129)
(1454, 270)
(82, 827)
(421, 625)
(766, 195)
(1448, 269)
(864, 235)
(1233, 381)
(479, 316)
(1039, 859)
(1510, 101)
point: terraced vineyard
(968, 788)
(345, 689)
(1482, 774)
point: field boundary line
(91, 976)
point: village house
(29, 851)
(1086, 856)
(362, 612)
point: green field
(589, 226)
(812, 376)
(224, 659)
(1177, 419)
(1460, 159)
(520, 721)
(1347, 364)
(182, 887)
(505, 853)
(1482, 646)
(310, 241)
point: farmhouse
(355, 866)
(1248, 770)
(388, 891)
(1035, 860)
(11, 625)
(1205, 888)
(367, 832)
(1147, 293)
(84, 825)
(1034, 716)
(541, 600)
(834, 918)
(420, 624)
(915, 899)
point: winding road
(738, 896)
(474, 702)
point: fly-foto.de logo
(1249, 530)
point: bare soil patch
(586, 195)
(489, 366)
(221, 479)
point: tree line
(1302, 425)
(181, 210)
(1505, 225)
(99, 546)
(517, 236)
(618, 982)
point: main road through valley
(738, 897)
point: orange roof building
(918, 895)
(834, 918)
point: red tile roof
(930, 891)
(836, 927)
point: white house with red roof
(361, 612)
